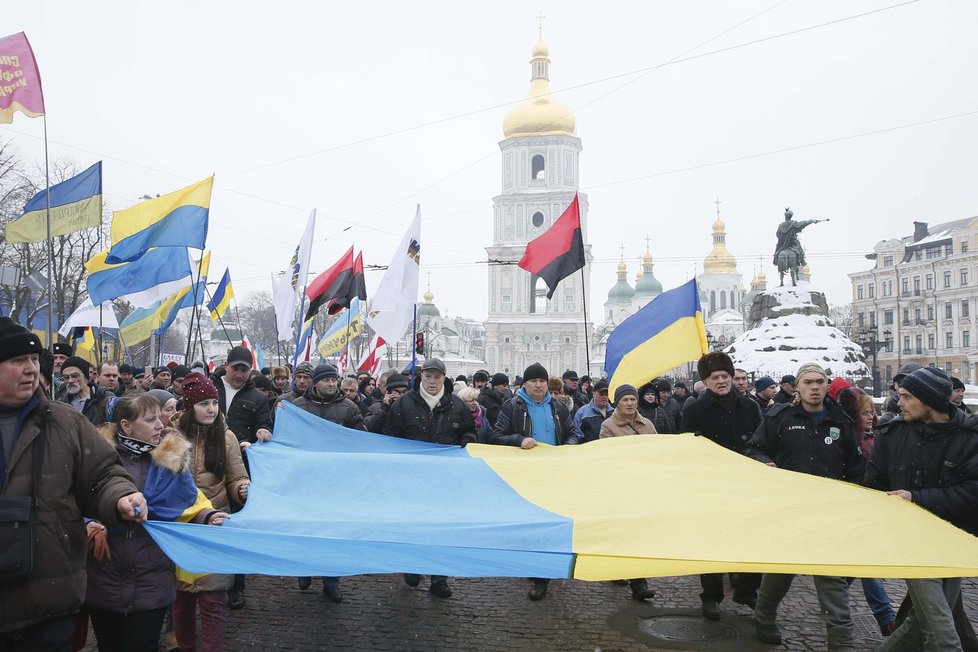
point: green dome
(621, 292)
(428, 310)
(648, 286)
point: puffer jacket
(336, 408)
(81, 477)
(222, 492)
(139, 575)
(514, 425)
(449, 423)
(936, 463)
(248, 412)
(491, 401)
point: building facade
(918, 300)
(540, 175)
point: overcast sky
(360, 110)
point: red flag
(559, 252)
(357, 288)
(331, 284)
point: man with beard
(78, 393)
(62, 351)
(432, 413)
(815, 436)
(493, 395)
(725, 417)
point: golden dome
(622, 267)
(762, 277)
(539, 113)
(720, 261)
(428, 296)
(719, 226)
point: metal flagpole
(414, 344)
(300, 324)
(190, 333)
(210, 297)
(50, 244)
(587, 345)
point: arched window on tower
(713, 300)
(538, 296)
(723, 299)
(733, 297)
(538, 168)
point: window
(906, 286)
(965, 309)
(506, 340)
(920, 344)
(538, 295)
(872, 319)
(906, 316)
(949, 250)
(872, 290)
(887, 288)
(948, 340)
(887, 261)
(963, 247)
(906, 344)
(723, 300)
(538, 168)
(964, 277)
(916, 315)
(947, 279)
(887, 317)
(862, 320)
(947, 310)
(930, 313)
(933, 252)
(916, 285)
(930, 340)
(966, 338)
(889, 374)
(930, 281)
(859, 292)
(918, 255)
(537, 219)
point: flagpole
(587, 345)
(414, 346)
(50, 243)
(210, 297)
(299, 327)
(190, 330)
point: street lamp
(871, 347)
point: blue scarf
(541, 418)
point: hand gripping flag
(559, 252)
(20, 82)
(76, 204)
(664, 334)
(178, 219)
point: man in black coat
(493, 395)
(811, 435)
(533, 416)
(724, 416)
(432, 413)
(787, 391)
(929, 456)
(245, 410)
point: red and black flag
(331, 284)
(559, 252)
(357, 288)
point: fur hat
(481, 376)
(555, 385)
(62, 348)
(16, 340)
(535, 371)
(196, 388)
(714, 361)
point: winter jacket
(513, 424)
(708, 417)
(139, 575)
(618, 426)
(449, 423)
(376, 417)
(81, 476)
(336, 408)
(791, 439)
(222, 492)
(483, 429)
(91, 408)
(248, 412)
(783, 397)
(491, 401)
(936, 463)
(588, 420)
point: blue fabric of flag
(185, 226)
(158, 266)
(167, 493)
(81, 186)
(381, 505)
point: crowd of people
(171, 443)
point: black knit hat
(79, 363)
(16, 340)
(931, 385)
(535, 371)
(179, 371)
(570, 374)
(324, 371)
(956, 383)
(499, 379)
(714, 361)
(481, 376)
(625, 390)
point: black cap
(180, 371)
(434, 364)
(78, 363)
(535, 371)
(62, 348)
(956, 383)
(126, 369)
(325, 371)
(398, 381)
(601, 386)
(788, 379)
(908, 368)
(16, 340)
(570, 374)
(240, 355)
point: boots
(539, 590)
(640, 590)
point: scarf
(727, 401)
(135, 446)
(431, 399)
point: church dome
(649, 285)
(428, 309)
(539, 113)
(621, 292)
(720, 261)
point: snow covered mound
(790, 327)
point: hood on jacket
(172, 453)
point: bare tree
(841, 317)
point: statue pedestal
(789, 326)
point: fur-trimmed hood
(172, 454)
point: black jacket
(731, 429)
(91, 409)
(376, 417)
(449, 423)
(513, 424)
(783, 397)
(666, 422)
(789, 438)
(336, 408)
(491, 401)
(248, 412)
(936, 463)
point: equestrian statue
(789, 256)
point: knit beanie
(714, 361)
(535, 371)
(304, 368)
(811, 368)
(324, 371)
(16, 340)
(836, 386)
(623, 391)
(763, 383)
(197, 388)
(179, 371)
(956, 383)
(499, 379)
(161, 395)
(78, 363)
(931, 385)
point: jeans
(213, 620)
(833, 599)
(46, 636)
(878, 601)
(930, 625)
(744, 586)
(138, 631)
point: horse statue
(789, 256)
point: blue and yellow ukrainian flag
(140, 324)
(664, 334)
(186, 297)
(75, 204)
(222, 296)
(178, 219)
(151, 278)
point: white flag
(288, 286)
(88, 315)
(372, 363)
(392, 308)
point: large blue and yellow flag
(222, 296)
(664, 334)
(149, 279)
(402, 506)
(75, 204)
(192, 295)
(178, 219)
(140, 324)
